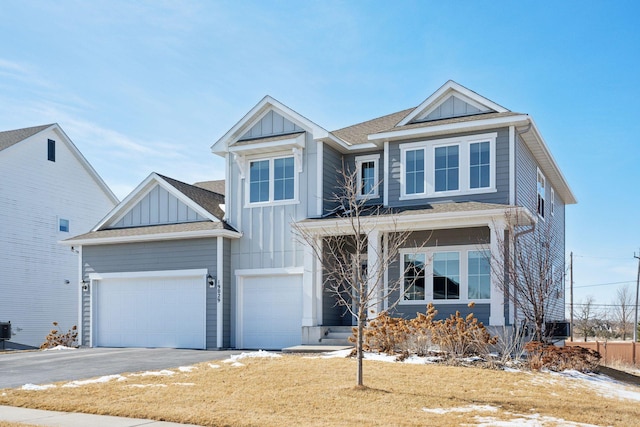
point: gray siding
(526, 195)
(152, 256)
(158, 207)
(332, 165)
(501, 196)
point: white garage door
(270, 312)
(149, 312)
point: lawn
(297, 390)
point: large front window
(446, 274)
(450, 166)
(272, 180)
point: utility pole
(635, 321)
(571, 293)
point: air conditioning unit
(557, 329)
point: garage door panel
(271, 312)
(150, 312)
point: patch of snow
(145, 385)
(186, 368)
(104, 379)
(253, 354)
(185, 384)
(469, 408)
(59, 347)
(237, 364)
(601, 384)
(509, 369)
(35, 387)
(162, 373)
(532, 420)
(214, 366)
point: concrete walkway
(65, 419)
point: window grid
(259, 181)
(479, 164)
(447, 170)
(414, 276)
(479, 274)
(414, 175)
(284, 179)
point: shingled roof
(216, 186)
(209, 200)
(358, 133)
(12, 137)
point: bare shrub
(543, 355)
(56, 338)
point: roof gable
(162, 200)
(265, 119)
(451, 100)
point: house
(48, 192)
(456, 172)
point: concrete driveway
(43, 367)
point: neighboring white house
(48, 192)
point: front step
(337, 335)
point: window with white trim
(455, 274)
(367, 169)
(450, 166)
(540, 186)
(414, 171)
(272, 180)
(553, 201)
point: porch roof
(427, 216)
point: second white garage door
(270, 315)
(157, 311)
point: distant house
(237, 276)
(48, 192)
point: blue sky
(150, 85)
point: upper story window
(63, 225)
(414, 171)
(553, 201)
(447, 168)
(541, 185)
(272, 180)
(451, 166)
(446, 274)
(51, 150)
(367, 169)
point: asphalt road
(43, 367)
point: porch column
(309, 286)
(496, 314)
(373, 274)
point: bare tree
(624, 311)
(358, 229)
(528, 272)
(585, 318)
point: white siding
(34, 194)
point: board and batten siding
(38, 277)
(527, 196)
(271, 124)
(154, 256)
(158, 207)
(501, 196)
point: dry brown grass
(293, 390)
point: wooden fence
(612, 351)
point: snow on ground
(59, 347)
(253, 354)
(532, 420)
(162, 373)
(469, 408)
(104, 379)
(186, 368)
(212, 366)
(35, 387)
(601, 384)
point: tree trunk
(359, 354)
